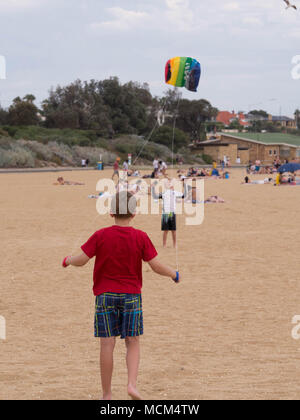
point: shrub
(207, 159)
(17, 157)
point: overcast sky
(245, 47)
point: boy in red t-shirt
(119, 252)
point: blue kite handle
(177, 277)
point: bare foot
(106, 397)
(133, 393)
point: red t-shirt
(119, 253)
(116, 166)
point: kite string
(173, 143)
(174, 127)
(150, 135)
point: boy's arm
(154, 195)
(162, 269)
(78, 261)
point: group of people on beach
(213, 172)
(256, 168)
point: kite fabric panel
(183, 72)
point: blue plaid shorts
(118, 315)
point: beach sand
(223, 333)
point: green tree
(235, 125)
(23, 111)
(193, 115)
(164, 135)
(297, 118)
(3, 116)
(259, 113)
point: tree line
(111, 109)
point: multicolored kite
(183, 71)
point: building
(245, 149)
(246, 120)
(285, 122)
(227, 118)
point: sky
(245, 47)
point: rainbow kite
(183, 72)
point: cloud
(123, 20)
(232, 6)
(180, 14)
(252, 20)
(15, 5)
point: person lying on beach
(214, 199)
(258, 182)
(61, 181)
(121, 186)
(134, 174)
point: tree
(235, 125)
(164, 135)
(3, 116)
(23, 111)
(105, 106)
(297, 118)
(259, 113)
(192, 116)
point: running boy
(119, 252)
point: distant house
(226, 118)
(285, 122)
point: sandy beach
(223, 333)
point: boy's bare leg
(174, 239)
(165, 237)
(133, 361)
(106, 365)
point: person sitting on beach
(163, 168)
(202, 173)
(191, 172)
(215, 172)
(61, 181)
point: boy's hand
(177, 278)
(65, 262)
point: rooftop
(268, 138)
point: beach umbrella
(289, 167)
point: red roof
(226, 118)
